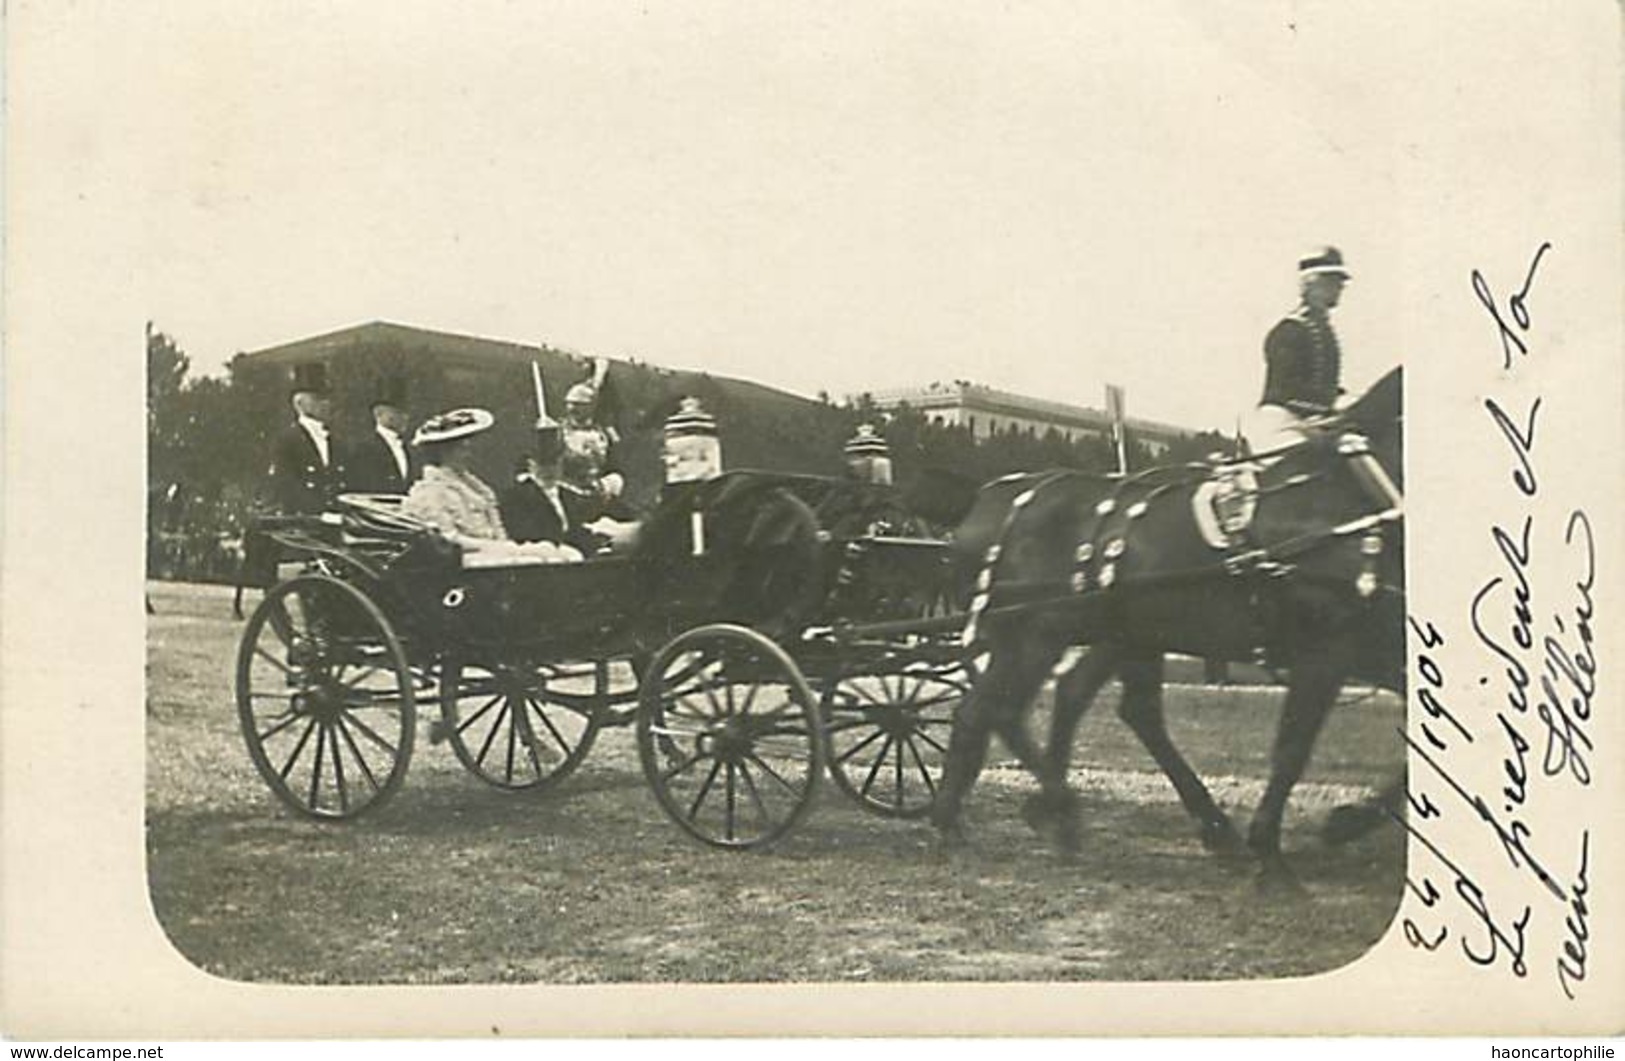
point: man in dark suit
(540, 507)
(306, 471)
(305, 475)
(381, 462)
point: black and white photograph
(798, 520)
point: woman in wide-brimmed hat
(456, 502)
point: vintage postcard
(717, 519)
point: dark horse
(1315, 581)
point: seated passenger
(541, 507)
(456, 503)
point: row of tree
(207, 439)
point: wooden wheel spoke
(338, 771)
(368, 732)
(705, 790)
(355, 751)
(874, 769)
(774, 774)
(527, 733)
(297, 749)
(491, 734)
(287, 721)
(750, 699)
(476, 716)
(928, 739)
(858, 747)
(925, 773)
(272, 660)
(316, 773)
(513, 738)
(731, 796)
(553, 731)
(682, 767)
(370, 670)
(755, 794)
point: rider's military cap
(1322, 260)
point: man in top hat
(381, 462)
(306, 471)
(1303, 364)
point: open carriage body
(766, 628)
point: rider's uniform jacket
(1303, 363)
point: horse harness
(1233, 488)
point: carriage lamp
(868, 458)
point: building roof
(978, 397)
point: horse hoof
(1220, 838)
(1350, 822)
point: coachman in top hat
(382, 462)
(306, 469)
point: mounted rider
(1303, 362)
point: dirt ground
(456, 882)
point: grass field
(455, 882)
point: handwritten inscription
(1535, 634)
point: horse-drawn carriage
(765, 628)
(769, 627)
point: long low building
(986, 411)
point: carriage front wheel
(730, 735)
(889, 724)
(325, 698)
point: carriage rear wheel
(518, 728)
(730, 736)
(888, 730)
(325, 698)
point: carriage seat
(377, 520)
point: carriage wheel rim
(336, 758)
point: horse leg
(997, 700)
(1054, 809)
(1141, 709)
(1309, 698)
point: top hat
(310, 377)
(1322, 261)
(390, 390)
(458, 423)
